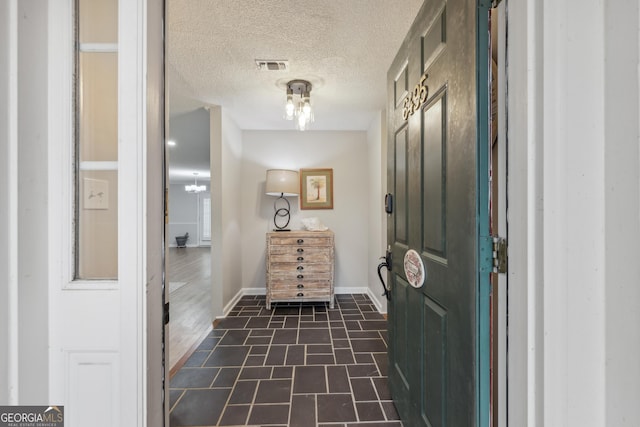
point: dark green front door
(436, 173)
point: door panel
(434, 176)
(435, 360)
(400, 338)
(401, 186)
(432, 117)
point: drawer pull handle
(300, 241)
(300, 250)
(300, 294)
(300, 276)
(300, 258)
(300, 286)
(300, 268)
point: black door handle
(388, 203)
(383, 264)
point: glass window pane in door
(98, 21)
(98, 106)
(96, 179)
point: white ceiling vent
(272, 65)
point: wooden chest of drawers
(300, 266)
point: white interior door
(103, 304)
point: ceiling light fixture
(301, 110)
(195, 188)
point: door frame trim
(483, 295)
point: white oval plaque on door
(414, 268)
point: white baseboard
(242, 292)
(376, 301)
(254, 291)
(262, 291)
(350, 290)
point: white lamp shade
(282, 181)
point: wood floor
(190, 303)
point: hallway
(189, 281)
(296, 365)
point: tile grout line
(237, 379)
(248, 311)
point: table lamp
(281, 183)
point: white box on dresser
(300, 266)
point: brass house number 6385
(416, 99)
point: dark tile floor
(297, 365)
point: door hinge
(499, 254)
(166, 313)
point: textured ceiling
(343, 47)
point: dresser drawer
(279, 280)
(291, 268)
(310, 285)
(321, 257)
(299, 294)
(302, 241)
(300, 254)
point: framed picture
(316, 188)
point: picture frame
(316, 189)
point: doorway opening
(498, 212)
(188, 246)
(497, 305)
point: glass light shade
(195, 188)
(306, 108)
(299, 109)
(301, 123)
(289, 108)
(282, 182)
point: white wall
(377, 226)
(346, 154)
(226, 254)
(190, 131)
(232, 150)
(574, 228)
(183, 213)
